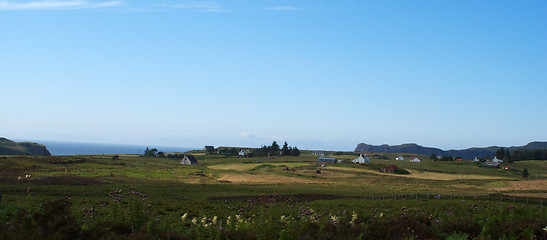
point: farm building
(189, 160)
(318, 153)
(476, 159)
(496, 160)
(400, 158)
(390, 168)
(329, 160)
(209, 148)
(362, 159)
(416, 159)
(492, 164)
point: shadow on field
(296, 198)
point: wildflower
(238, 219)
(184, 216)
(381, 214)
(353, 218)
(334, 218)
(204, 219)
(228, 220)
(282, 218)
(194, 221)
(215, 220)
(545, 229)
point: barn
(390, 168)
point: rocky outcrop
(9, 147)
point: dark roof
(191, 158)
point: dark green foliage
(525, 173)
(150, 152)
(529, 154)
(285, 151)
(401, 171)
(274, 150)
(500, 153)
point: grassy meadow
(257, 198)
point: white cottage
(416, 159)
(496, 160)
(476, 159)
(361, 159)
(400, 158)
(189, 160)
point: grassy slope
(165, 178)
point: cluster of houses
(363, 158)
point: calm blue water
(76, 148)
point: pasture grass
(210, 188)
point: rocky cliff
(9, 147)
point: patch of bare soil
(531, 195)
(262, 178)
(524, 186)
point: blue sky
(317, 74)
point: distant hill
(9, 147)
(464, 153)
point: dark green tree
(285, 151)
(295, 151)
(500, 153)
(433, 157)
(274, 149)
(507, 156)
(525, 173)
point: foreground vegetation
(90, 197)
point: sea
(79, 148)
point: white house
(243, 152)
(416, 159)
(476, 159)
(318, 153)
(362, 159)
(400, 158)
(189, 160)
(496, 160)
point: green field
(249, 187)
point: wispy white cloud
(55, 4)
(282, 8)
(196, 6)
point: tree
(500, 153)
(285, 151)
(274, 149)
(525, 173)
(508, 156)
(433, 157)
(115, 157)
(150, 152)
(295, 151)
